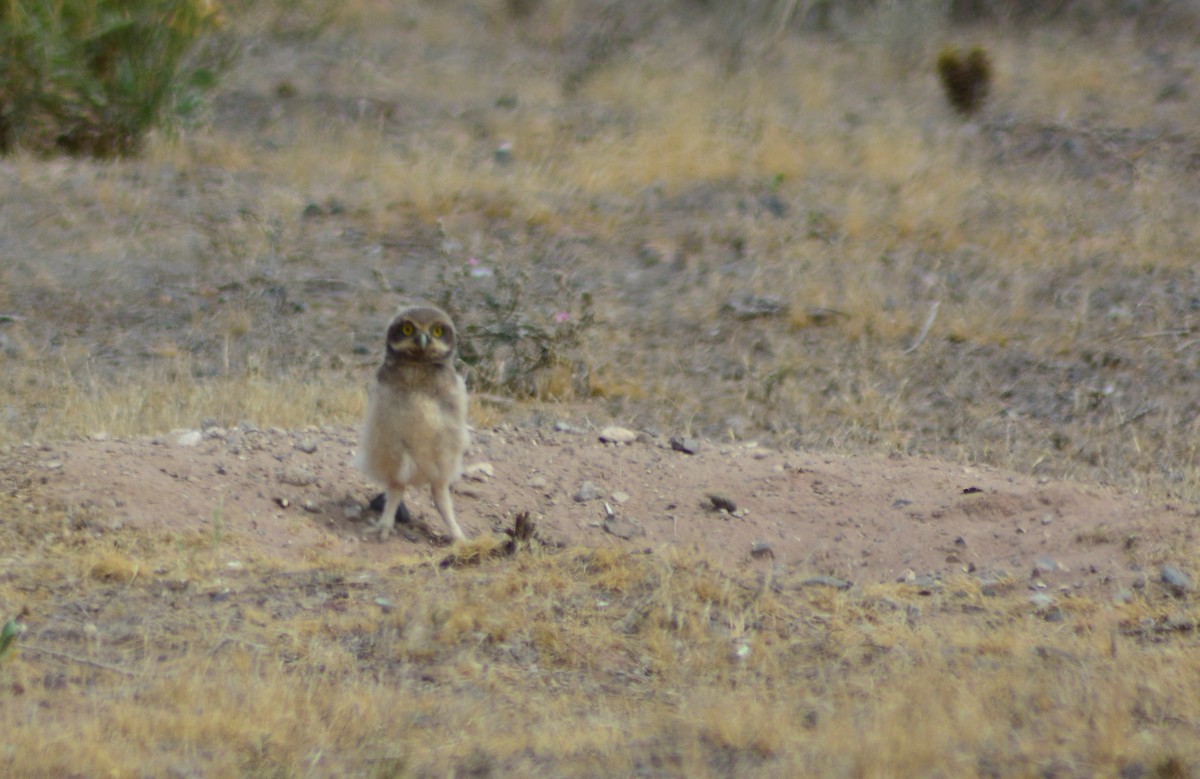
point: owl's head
(421, 334)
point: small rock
(1176, 580)
(719, 502)
(384, 604)
(352, 512)
(311, 507)
(565, 427)
(620, 497)
(908, 577)
(479, 472)
(306, 445)
(537, 482)
(761, 549)
(1042, 601)
(208, 422)
(623, 528)
(617, 435)
(190, 438)
(587, 491)
(685, 445)
(1044, 565)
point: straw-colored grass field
(731, 224)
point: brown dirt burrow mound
(864, 520)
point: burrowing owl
(415, 430)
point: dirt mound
(859, 520)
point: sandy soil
(295, 495)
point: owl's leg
(445, 507)
(387, 520)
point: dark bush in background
(92, 77)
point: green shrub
(519, 337)
(92, 77)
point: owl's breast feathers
(416, 428)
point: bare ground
(295, 496)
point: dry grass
(244, 272)
(147, 656)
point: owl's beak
(422, 340)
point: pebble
(306, 445)
(620, 497)
(761, 549)
(623, 528)
(537, 482)
(587, 491)
(617, 435)
(1042, 601)
(720, 501)
(685, 445)
(190, 438)
(1176, 580)
(1045, 565)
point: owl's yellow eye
(406, 328)
(436, 330)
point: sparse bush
(510, 344)
(92, 77)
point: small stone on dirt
(761, 549)
(620, 497)
(623, 528)
(537, 482)
(1045, 565)
(617, 435)
(1178, 582)
(1041, 601)
(306, 445)
(720, 501)
(190, 438)
(685, 445)
(587, 491)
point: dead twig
(933, 311)
(75, 659)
